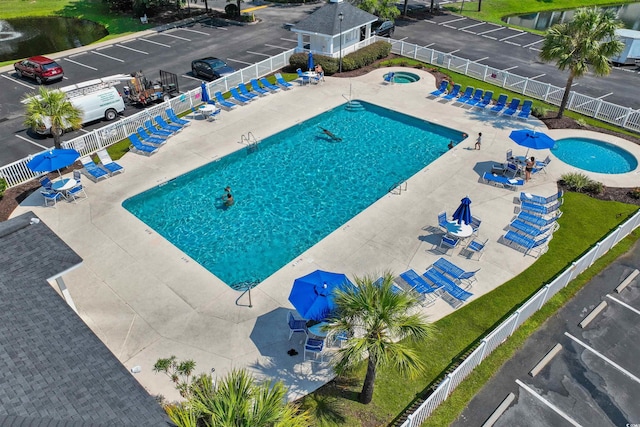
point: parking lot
(580, 368)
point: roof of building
(326, 19)
(55, 370)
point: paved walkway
(146, 299)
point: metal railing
(500, 334)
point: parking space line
(537, 77)
(107, 56)
(624, 304)
(512, 36)
(77, 54)
(510, 68)
(32, 142)
(190, 77)
(604, 96)
(453, 20)
(490, 31)
(135, 50)
(277, 47)
(175, 37)
(490, 37)
(536, 49)
(531, 44)
(471, 26)
(429, 45)
(547, 403)
(430, 22)
(289, 40)
(18, 81)
(241, 62)
(196, 31)
(81, 64)
(154, 42)
(512, 43)
(452, 52)
(258, 53)
(481, 59)
(603, 357)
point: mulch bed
(14, 196)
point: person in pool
(330, 134)
(228, 200)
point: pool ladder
(351, 104)
(398, 187)
(246, 288)
(250, 141)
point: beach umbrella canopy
(312, 295)
(463, 213)
(310, 64)
(205, 93)
(52, 160)
(532, 139)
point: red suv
(40, 68)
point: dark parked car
(39, 68)
(210, 68)
(383, 28)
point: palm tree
(587, 41)
(238, 401)
(381, 324)
(52, 106)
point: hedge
(358, 59)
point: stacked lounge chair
(528, 245)
(223, 102)
(175, 119)
(92, 170)
(454, 294)
(441, 90)
(265, 83)
(107, 163)
(138, 146)
(456, 273)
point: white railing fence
(508, 327)
(625, 117)
(17, 172)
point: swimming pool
(295, 189)
(594, 156)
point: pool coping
(146, 299)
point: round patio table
(461, 230)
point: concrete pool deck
(148, 300)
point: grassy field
(585, 221)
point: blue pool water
(594, 156)
(298, 187)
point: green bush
(366, 56)
(581, 183)
(300, 60)
(635, 193)
(538, 111)
(3, 186)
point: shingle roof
(55, 371)
(326, 19)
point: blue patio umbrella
(312, 295)
(205, 93)
(52, 160)
(532, 139)
(463, 213)
(310, 64)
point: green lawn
(585, 221)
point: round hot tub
(403, 77)
(594, 156)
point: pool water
(295, 189)
(594, 156)
(405, 77)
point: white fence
(593, 107)
(506, 329)
(17, 173)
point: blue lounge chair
(148, 139)
(237, 97)
(166, 126)
(161, 133)
(538, 220)
(528, 229)
(255, 86)
(486, 99)
(140, 147)
(454, 92)
(282, 82)
(92, 170)
(223, 102)
(467, 95)
(541, 209)
(245, 92)
(303, 79)
(388, 78)
(175, 119)
(512, 108)
(265, 83)
(500, 104)
(525, 111)
(417, 283)
(50, 197)
(441, 90)
(452, 290)
(107, 163)
(455, 272)
(540, 200)
(477, 97)
(526, 244)
(510, 183)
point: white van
(96, 99)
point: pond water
(24, 37)
(629, 14)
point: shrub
(231, 10)
(299, 60)
(539, 111)
(635, 193)
(3, 186)
(581, 183)
(366, 56)
(581, 123)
